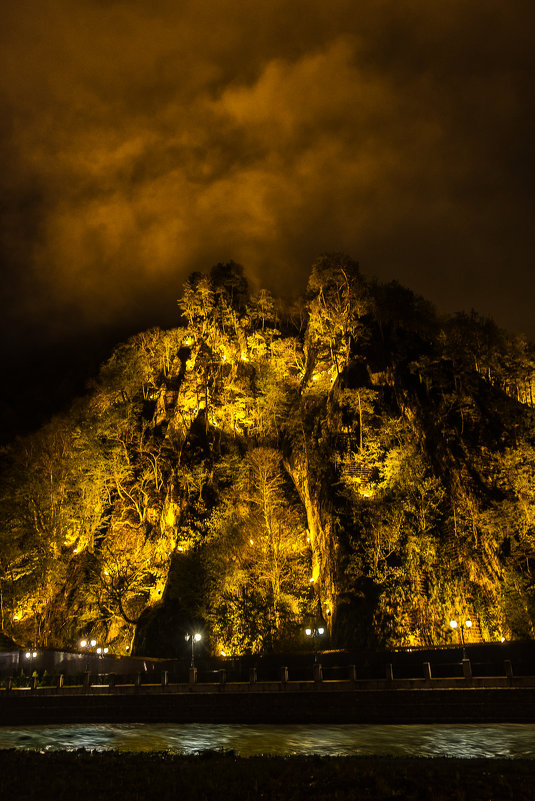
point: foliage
(354, 460)
(258, 558)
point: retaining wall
(283, 702)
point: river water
(465, 741)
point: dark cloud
(142, 140)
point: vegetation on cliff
(355, 460)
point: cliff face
(355, 462)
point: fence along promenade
(216, 681)
(345, 699)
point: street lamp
(468, 624)
(31, 655)
(194, 638)
(314, 633)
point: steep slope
(355, 460)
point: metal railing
(332, 678)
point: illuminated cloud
(143, 141)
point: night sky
(143, 140)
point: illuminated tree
(355, 458)
(197, 303)
(264, 558)
(337, 300)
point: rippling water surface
(505, 740)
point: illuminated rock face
(355, 463)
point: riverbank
(213, 775)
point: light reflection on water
(504, 740)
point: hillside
(356, 461)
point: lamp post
(194, 638)
(461, 626)
(31, 655)
(315, 633)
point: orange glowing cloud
(149, 140)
